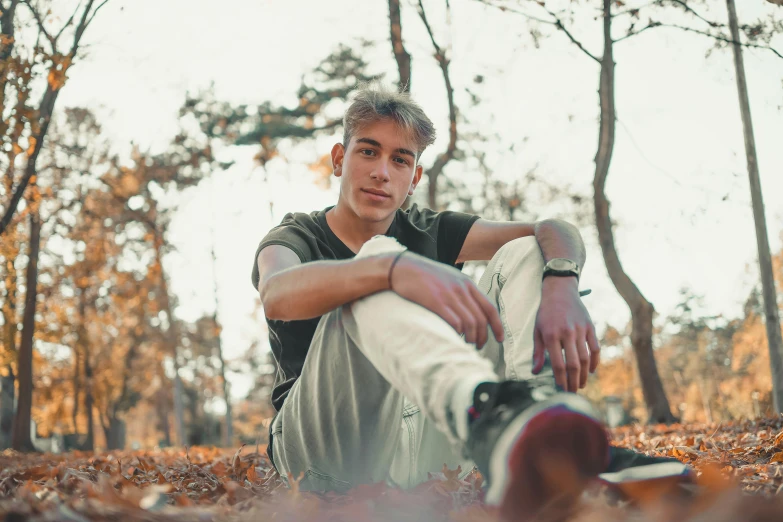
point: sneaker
(536, 453)
(629, 473)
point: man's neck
(351, 229)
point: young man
(391, 362)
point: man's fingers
(467, 319)
(555, 351)
(538, 352)
(490, 312)
(452, 318)
(584, 358)
(595, 349)
(572, 364)
(478, 314)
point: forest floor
(739, 467)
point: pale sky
(678, 181)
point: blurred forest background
(100, 346)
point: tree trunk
(77, 370)
(641, 309)
(400, 54)
(10, 332)
(228, 429)
(771, 313)
(89, 441)
(163, 417)
(440, 162)
(7, 397)
(115, 434)
(173, 341)
(21, 440)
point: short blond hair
(373, 102)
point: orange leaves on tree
(31, 145)
(58, 71)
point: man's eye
(401, 161)
(367, 152)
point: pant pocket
(315, 480)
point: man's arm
(293, 291)
(555, 237)
(563, 326)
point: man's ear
(416, 178)
(338, 153)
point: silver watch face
(562, 264)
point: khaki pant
(372, 403)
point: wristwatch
(562, 267)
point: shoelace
(497, 396)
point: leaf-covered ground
(739, 466)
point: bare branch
(80, 28)
(40, 22)
(68, 22)
(634, 33)
(423, 17)
(633, 10)
(690, 10)
(559, 24)
(96, 11)
(434, 171)
(723, 38)
(515, 11)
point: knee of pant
(379, 245)
(524, 248)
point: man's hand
(563, 326)
(448, 293)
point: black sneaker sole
(552, 451)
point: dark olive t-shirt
(436, 235)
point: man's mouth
(375, 192)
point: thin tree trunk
(77, 370)
(7, 382)
(440, 162)
(115, 434)
(7, 43)
(402, 56)
(89, 441)
(641, 309)
(163, 416)
(7, 397)
(173, 341)
(228, 429)
(21, 440)
(79, 360)
(705, 400)
(771, 313)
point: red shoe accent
(550, 464)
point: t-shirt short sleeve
(452, 231)
(288, 235)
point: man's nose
(381, 171)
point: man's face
(378, 169)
